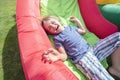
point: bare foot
(114, 72)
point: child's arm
(53, 55)
(81, 29)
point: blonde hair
(48, 18)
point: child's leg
(93, 68)
(106, 47)
(115, 68)
(86, 73)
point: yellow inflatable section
(107, 1)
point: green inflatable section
(111, 12)
(64, 9)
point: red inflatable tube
(33, 41)
(94, 20)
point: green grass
(10, 64)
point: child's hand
(74, 19)
(51, 55)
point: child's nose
(52, 25)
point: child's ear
(60, 21)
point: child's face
(53, 26)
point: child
(69, 41)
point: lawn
(10, 64)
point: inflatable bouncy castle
(33, 40)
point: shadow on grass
(12, 69)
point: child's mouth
(57, 27)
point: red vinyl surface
(94, 20)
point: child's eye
(53, 22)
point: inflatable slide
(33, 40)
